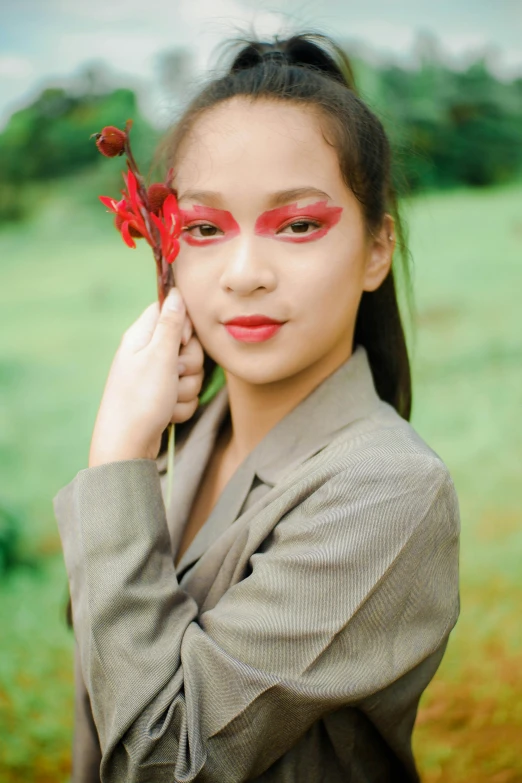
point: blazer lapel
(344, 397)
(222, 515)
(190, 461)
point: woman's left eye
(301, 226)
(206, 230)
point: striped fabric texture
(297, 633)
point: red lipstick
(219, 218)
(253, 328)
(273, 220)
(252, 320)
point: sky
(45, 42)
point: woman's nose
(247, 265)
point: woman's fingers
(191, 357)
(139, 334)
(166, 340)
(184, 411)
(187, 330)
(190, 366)
(189, 387)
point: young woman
(280, 620)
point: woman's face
(271, 229)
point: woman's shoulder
(380, 461)
(380, 499)
(384, 438)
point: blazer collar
(348, 394)
(343, 397)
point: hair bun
(306, 50)
(275, 55)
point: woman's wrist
(122, 452)
(105, 460)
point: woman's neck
(256, 408)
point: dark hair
(311, 70)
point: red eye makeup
(269, 223)
(219, 218)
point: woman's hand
(151, 383)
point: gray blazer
(296, 635)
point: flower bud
(111, 141)
(156, 195)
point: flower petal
(172, 215)
(109, 202)
(165, 235)
(126, 235)
(160, 225)
(132, 187)
(173, 252)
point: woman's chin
(260, 363)
(257, 370)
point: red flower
(169, 226)
(111, 141)
(119, 221)
(156, 195)
(131, 214)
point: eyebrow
(274, 200)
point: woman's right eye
(206, 230)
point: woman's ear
(380, 254)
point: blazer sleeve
(355, 586)
(86, 752)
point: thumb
(139, 334)
(170, 322)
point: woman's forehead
(266, 145)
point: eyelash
(201, 225)
(301, 221)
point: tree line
(448, 128)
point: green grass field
(70, 288)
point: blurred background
(446, 80)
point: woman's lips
(253, 334)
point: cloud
(124, 51)
(166, 21)
(128, 39)
(12, 67)
(46, 41)
(17, 74)
(386, 36)
(506, 63)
